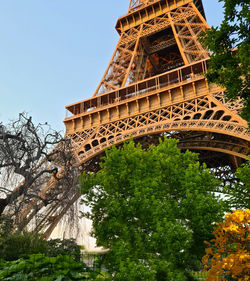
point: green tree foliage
(239, 194)
(42, 268)
(152, 209)
(227, 67)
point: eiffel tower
(154, 86)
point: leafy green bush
(64, 247)
(42, 268)
(6, 225)
(21, 245)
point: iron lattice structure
(154, 85)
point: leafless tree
(31, 155)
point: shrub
(227, 257)
(64, 247)
(18, 245)
(42, 268)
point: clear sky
(54, 53)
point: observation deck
(161, 90)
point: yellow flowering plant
(227, 256)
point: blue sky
(54, 53)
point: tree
(230, 58)
(152, 209)
(227, 257)
(29, 156)
(239, 194)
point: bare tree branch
(33, 153)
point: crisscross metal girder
(135, 5)
(204, 112)
(155, 25)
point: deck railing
(176, 76)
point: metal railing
(170, 78)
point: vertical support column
(178, 40)
(187, 23)
(133, 57)
(199, 15)
(107, 69)
(121, 61)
